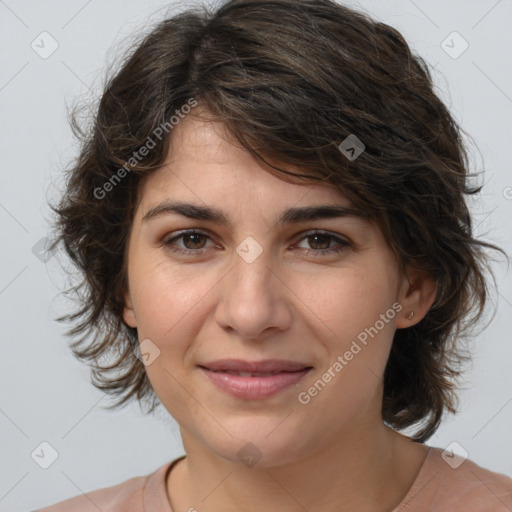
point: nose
(254, 300)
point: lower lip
(254, 388)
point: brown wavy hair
(290, 80)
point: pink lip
(285, 374)
(268, 365)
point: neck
(364, 470)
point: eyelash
(342, 244)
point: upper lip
(269, 365)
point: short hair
(290, 80)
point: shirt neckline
(155, 497)
(419, 481)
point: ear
(128, 312)
(417, 294)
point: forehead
(204, 164)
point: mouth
(254, 380)
(269, 366)
(247, 374)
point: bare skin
(295, 301)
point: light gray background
(45, 393)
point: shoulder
(127, 496)
(448, 482)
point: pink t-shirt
(437, 488)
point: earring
(410, 315)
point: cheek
(352, 317)
(168, 307)
(343, 302)
(165, 298)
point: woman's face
(255, 283)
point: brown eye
(187, 242)
(321, 244)
(194, 240)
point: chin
(260, 443)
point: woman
(269, 213)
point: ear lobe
(128, 312)
(418, 293)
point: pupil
(320, 237)
(195, 241)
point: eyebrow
(289, 216)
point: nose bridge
(250, 280)
(252, 298)
(251, 265)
